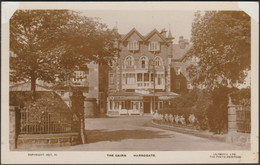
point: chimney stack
(183, 42)
(163, 32)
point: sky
(145, 21)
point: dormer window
(133, 45)
(154, 46)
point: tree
(221, 40)
(45, 43)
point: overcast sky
(145, 21)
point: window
(129, 78)
(133, 45)
(159, 79)
(157, 61)
(124, 79)
(129, 61)
(146, 77)
(152, 77)
(79, 76)
(144, 62)
(111, 79)
(178, 84)
(139, 77)
(178, 70)
(154, 46)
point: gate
(243, 115)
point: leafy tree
(221, 40)
(44, 43)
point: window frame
(133, 45)
(154, 46)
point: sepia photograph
(130, 83)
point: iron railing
(243, 117)
(44, 122)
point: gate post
(77, 99)
(232, 123)
(13, 127)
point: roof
(130, 33)
(65, 87)
(144, 38)
(154, 31)
(123, 93)
(27, 87)
(179, 53)
(183, 66)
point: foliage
(195, 102)
(46, 103)
(221, 40)
(218, 111)
(44, 99)
(45, 43)
(242, 97)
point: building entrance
(146, 107)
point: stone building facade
(140, 79)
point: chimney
(186, 42)
(163, 32)
(181, 42)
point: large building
(87, 81)
(140, 79)
(180, 80)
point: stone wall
(29, 141)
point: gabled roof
(154, 31)
(130, 33)
(179, 53)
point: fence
(44, 121)
(243, 118)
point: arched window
(143, 62)
(157, 61)
(129, 61)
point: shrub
(193, 102)
(242, 97)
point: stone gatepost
(77, 99)
(232, 123)
(12, 127)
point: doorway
(146, 107)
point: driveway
(134, 133)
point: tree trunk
(33, 86)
